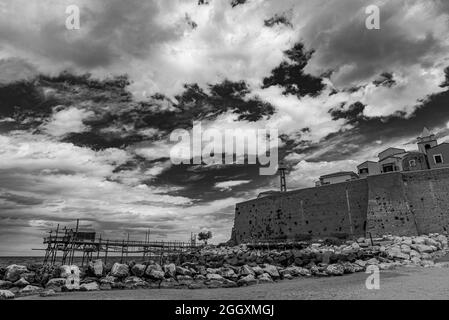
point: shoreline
(401, 283)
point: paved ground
(403, 283)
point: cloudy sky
(86, 115)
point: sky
(86, 114)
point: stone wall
(399, 203)
(333, 210)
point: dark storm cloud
(290, 74)
(20, 200)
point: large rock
(14, 272)
(258, 270)
(335, 270)
(271, 270)
(135, 282)
(29, 289)
(21, 283)
(96, 268)
(66, 271)
(183, 271)
(422, 248)
(6, 294)
(214, 276)
(120, 270)
(138, 270)
(295, 271)
(228, 273)
(246, 270)
(155, 274)
(396, 253)
(56, 282)
(108, 280)
(265, 278)
(91, 286)
(247, 280)
(184, 280)
(5, 284)
(170, 270)
(29, 277)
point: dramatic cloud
(86, 115)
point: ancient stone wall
(332, 210)
(399, 203)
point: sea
(38, 260)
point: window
(388, 168)
(363, 171)
(438, 158)
(412, 163)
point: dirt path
(404, 283)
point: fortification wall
(400, 203)
(332, 210)
(388, 208)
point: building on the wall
(429, 155)
(336, 177)
(368, 168)
(438, 156)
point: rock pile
(225, 267)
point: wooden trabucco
(67, 242)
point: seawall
(400, 203)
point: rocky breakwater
(227, 267)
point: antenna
(282, 169)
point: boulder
(214, 276)
(120, 270)
(138, 270)
(422, 248)
(14, 272)
(419, 240)
(170, 270)
(135, 282)
(246, 270)
(29, 276)
(6, 294)
(265, 278)
(21, 283)
(183, 271)
(96, 268)
(258, 270)
(168, 283)
(247, 281)
(29, 289)
(442, 240)
(108, 280)
(228, 273)
(91, 286)
(56, 282)
(213, 284)
(184, 280)
(197, 285)
(5, 284)
(396, 253)
(335, 270)
(271, 270)
(155, 274)
(66, 271)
